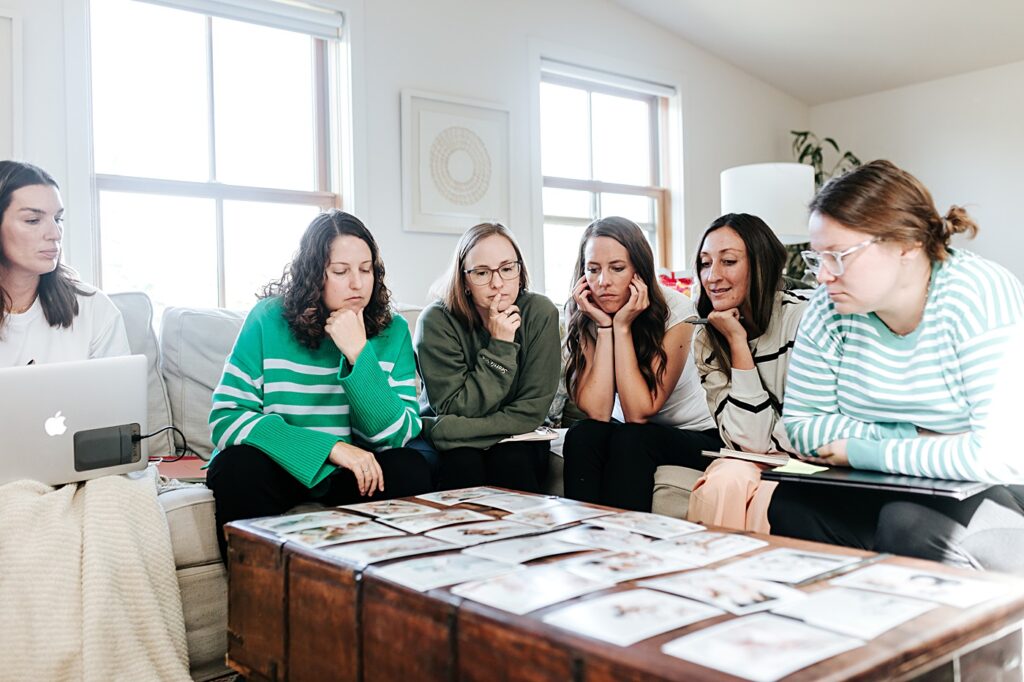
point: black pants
(613, 463)
(246, 484)
(520, 466)
(984, 531)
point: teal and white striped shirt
(294, 403)
(851, 377)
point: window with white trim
(214, 142)
(602, 154)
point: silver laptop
(72, 421)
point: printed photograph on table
(424, 522)
(426, 573)
(364, 553)
(530, 589)
(519, 550)
(387, 509)
(295, 522)
(557, 515)
(920, 584)
(701, 549)
(516, 502)
(603, 538)
(625, 618)
(655, 525)
(762, 647)
(866, 615)
(449, 498)
(455, 163)
(484, 531)
(788, 566)
(732, 593)
(623, 565)
(333, 535)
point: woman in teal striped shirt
(318, 397)
(893, 370)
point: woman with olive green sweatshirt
(488, 353)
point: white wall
(482, 50)
(478, 49)
(961, 136)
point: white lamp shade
(777, 193)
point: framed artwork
(455, 163)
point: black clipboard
(876, 480)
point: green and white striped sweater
(851, 377)
(294, 403)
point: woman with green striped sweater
(894, 369)
(318, 396)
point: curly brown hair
(302, 284)
(648, 328)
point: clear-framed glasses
(482, 276)
(833, 260)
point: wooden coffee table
(301, 614)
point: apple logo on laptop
(55, 425)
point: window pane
(639, 209)
(568, 203)
(564, 142)
(164, 246)
(149, 91)
(561, 247)
(259, 240)
(622, 139)
(263, 106)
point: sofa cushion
(204, 604)
(195, 342)
(672, 487)
(137, 312)
(190, 519)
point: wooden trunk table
(301, 614)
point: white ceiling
(825, 50)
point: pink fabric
(732, 495)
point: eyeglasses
(482, 276)
(832, 260)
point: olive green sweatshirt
(478, 390)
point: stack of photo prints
(775, 628)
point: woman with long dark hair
(488, 354)
(318, 396)
(742, 357)
(630, 370)
(46, 314)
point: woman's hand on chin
(727, 322)
(502, 325)
(583, 295)
(637, 303)
(346, 328)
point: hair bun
(958, 221)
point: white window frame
(345, 149)
(658, 97)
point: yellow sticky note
(797, 466)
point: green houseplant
(810, 149)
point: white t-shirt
(96, 332)
(687, 406)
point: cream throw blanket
(87, 583)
